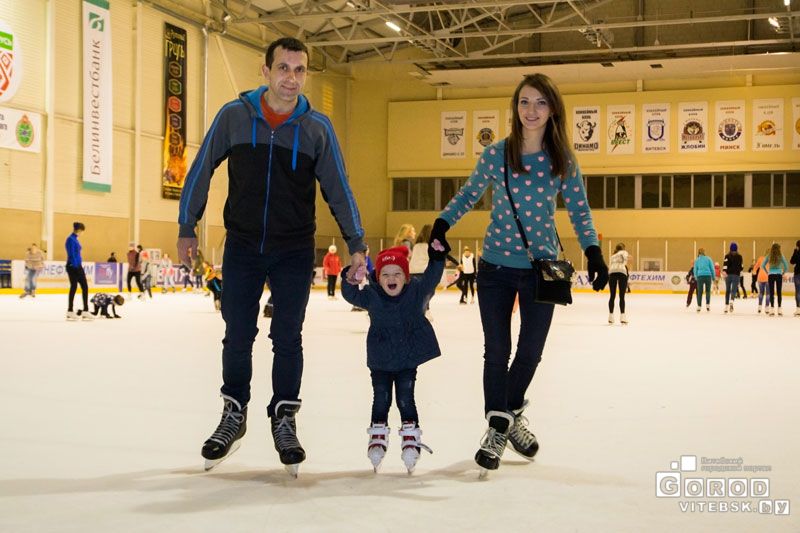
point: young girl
(761, 276)
(405, 236)
(535, 164)
(168, 271)
(102, 302)
(704, 273)
(400, 339)
(618, 276)
(776, 264)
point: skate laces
(520, 433)
(411, 439)
(494, 442)
(229, 426)
(285, 433)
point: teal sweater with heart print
(534, 195)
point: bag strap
(514, 210)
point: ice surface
(102, 422)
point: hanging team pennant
(174, 158)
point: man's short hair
(287, 43)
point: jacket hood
(252, 99)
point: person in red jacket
(331, 266)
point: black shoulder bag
(554, 283)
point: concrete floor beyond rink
(102, 424)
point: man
(277, 146)
(134, 268)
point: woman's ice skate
(521, 439)
(410, 434)
(378, 443)
(494, 441)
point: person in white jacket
(168, 273)
(618, 277)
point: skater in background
(34, 264)
(187, 276)
(102, 302)
(167, 273)
(761, 276)
(112, 258)
(732, 266)
(704, 273)
(76, 274)
(717, 274)
(198, 271)
(469, 268)
(214, 285)
(134, 267)
(406, 236)
(692, 281)
(776, 265)
(280, 122)
(540, 165)
(331, 266)
(149, 274)
(400, 338)
(753, 280)
(795, 260)
(419, 260)
(618, 277)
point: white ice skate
(610, 318)
(377, 445)
(623, 319)
(72, 317)
(410, 434)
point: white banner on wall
(655, 128)
(585, 133)
(621, 130)
(454, 124)
(729, 121)
(20, 130)
(485, 130)
(10, 62)
(509, 117)
(795, 123)
(693, 126)
(98, 132)
(767, 124)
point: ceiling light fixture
(394, 26)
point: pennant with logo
(174, 171)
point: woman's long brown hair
(555, 142)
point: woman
(618, 276)
(468, 266)
(776, 265)
(34, 264)
(405, 237)
(541, 165)
(76, 274)
(704, 273)
(795, 260)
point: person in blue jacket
(400, 339)
(76, 274)
(278, 148)
(704, 274)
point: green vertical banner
(174, 170)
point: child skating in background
(102, 302)
(214, 285)
(400, 339)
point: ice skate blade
(483, 474)
(211, 463)
(292, 470)
(529, 459)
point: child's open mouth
(392, 286)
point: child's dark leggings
(403, 382)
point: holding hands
(597, 269)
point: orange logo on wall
(767, 127)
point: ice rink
(102, 423)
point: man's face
(287, 75)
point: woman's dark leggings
(332, 285)
(775, 287)
(77, 277)
(617, 278)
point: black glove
(598, 271)
(440, 227)
(441, 254)
(187, 245)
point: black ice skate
(284, 433)
(520, 438)
(494, 441)
(225, 439)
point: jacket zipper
(266, 197)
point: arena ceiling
(473, 35)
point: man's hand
(187, 250)
(358, 268)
